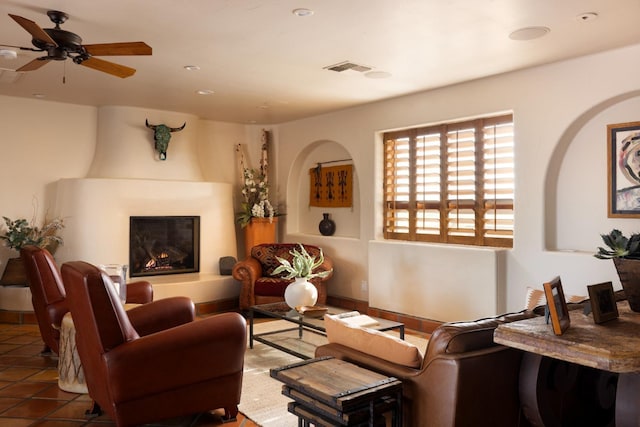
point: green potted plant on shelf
(301, 268)
(20, 233)
(625, 253)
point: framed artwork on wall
(603, 302)
(558, 311)
(623, 170)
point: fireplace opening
(163, 245)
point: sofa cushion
(270, 286)
(375, 343)
(266, 254)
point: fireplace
(161, 245)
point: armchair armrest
(247, 271)
(140, 292)
(209, 348)
(56, 312)
(162, 314)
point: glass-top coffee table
(300, 324)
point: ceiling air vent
(346, 65)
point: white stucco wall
(550, 104)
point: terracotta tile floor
(29, 393)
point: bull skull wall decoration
(162, 136)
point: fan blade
(33, 29)
(33, 65)
(108, 67)
(117, 49)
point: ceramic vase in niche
(300, 293)
(327, 226)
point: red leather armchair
(49, 298)
(261, 286)
(194, 367)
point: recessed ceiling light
(205, 92)
(191, 67)
(39, 95)
(588, 16)
(302, 12)
(377, 75)
(529, 33)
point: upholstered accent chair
(49, 297)
(261, 286)
(194, 367)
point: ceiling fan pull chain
(64, 73)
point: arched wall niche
(304, 219)
(576, 179)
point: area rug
(262, 400)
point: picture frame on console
(557, 306)
(623, 170)
(603, 302)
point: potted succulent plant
(20, 233)
(625, 253)
(301, 268)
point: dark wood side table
(330, 392)
(603, 359)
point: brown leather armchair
(49, 298)
(194, 367)
(261, 286)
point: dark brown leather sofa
(194, 367)
(465, 378)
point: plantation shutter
(451, 183)
(499, 181)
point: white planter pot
(300, 293)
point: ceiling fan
(60, 45)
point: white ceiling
(265, 64)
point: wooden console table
(329, 392)
(611, 349)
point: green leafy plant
(619, 246)
(21, 232)
(302, 265)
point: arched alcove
(303, 218)
(576, 179)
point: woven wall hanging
(331, 186)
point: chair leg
(46, 351)
(230, 414)
(95, 411)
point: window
(451, 183)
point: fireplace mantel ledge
(200, 287)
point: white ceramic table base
(70, 373)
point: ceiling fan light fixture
(529, 33)
(8, 54)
